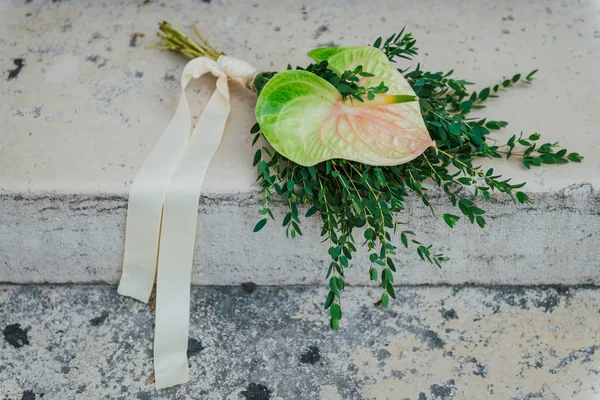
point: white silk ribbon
(162, 215)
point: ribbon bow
(162, 214)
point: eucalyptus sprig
(348, 196)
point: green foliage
(348, 196)
(401, 45)
(347, 83)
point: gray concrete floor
(437, 342)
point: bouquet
(348, 138)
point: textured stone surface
(86, 342)
(80, 239)
(84, 101)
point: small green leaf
(385, 300)
(334, 324)
(333, 286)
(480, 221)
(484, 94)
(311, 211)
(451, 219)
(466, 106)
(329, 300)
(373, 274)
(335, 311)
(529, 77)
(262, 166)
(390, 264)
(257, 157)
(522, 197)
(260, 224)
(390, 290)
(404, 239)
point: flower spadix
(307, 119)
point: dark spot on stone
(144, 396)
(479, 369)
(548, 10)
(422, 396)
(505, 31)
(99, 319)
(320, 30)
(15, 336)
(81, 389)
(443, 391)
(133, 38)
(93, 59)
(28, 395)
(538, 364)
(206, 1)
(513, 296)
(448, 314)
(397, 374)
(169, 78)
(277, 28)
(433, 339)
(550, 300)
(382, 354)
(249, 287)
(139, 74)
(311, 356)
(329, 44)
(508, 18)
(13, 73)
(65, 369)
(256, 392)
(28, 1)
(194, 347)
(585, 354)
(36, 112)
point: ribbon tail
(178, 238)
(145, 206)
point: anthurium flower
(306, 118)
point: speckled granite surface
(437, 342)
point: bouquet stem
(175, 40)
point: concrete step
(80, 116)
(467, 343)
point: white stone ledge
(78, 238)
